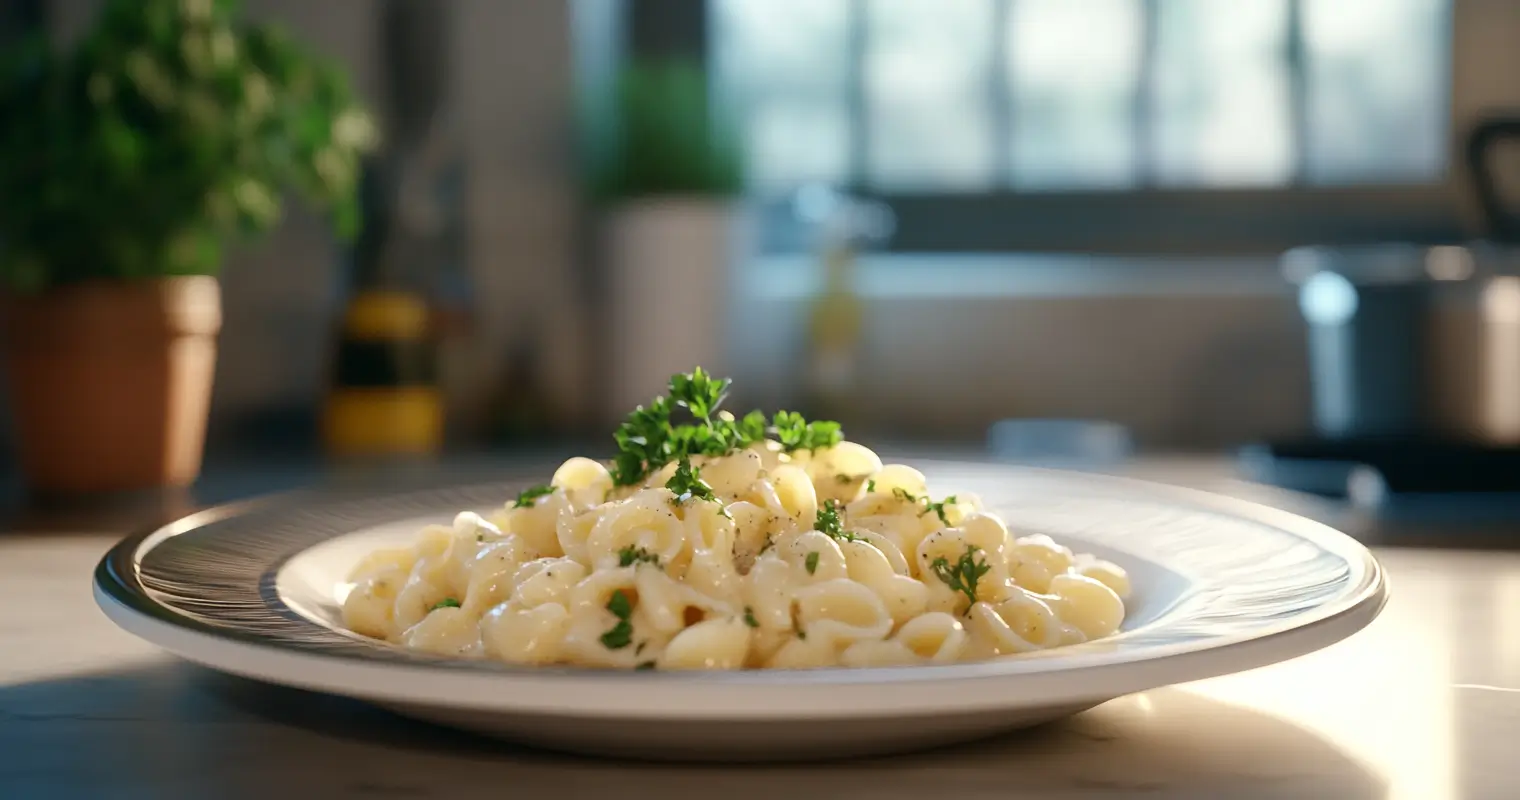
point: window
(1101, 124)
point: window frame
(1149, 218)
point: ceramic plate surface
(1220, 586)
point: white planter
(668, 262)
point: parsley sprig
(964, 575)
(687, 483)
(447, 602)
(621, 634)
(651, 437)
(796, 433)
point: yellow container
(384, 399)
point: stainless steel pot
(1413, 340)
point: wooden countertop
(1424, 705)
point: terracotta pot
(110, 382)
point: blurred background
(1070, 230)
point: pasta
(764, 550)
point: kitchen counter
(1424, 704)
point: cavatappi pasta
(760, 558)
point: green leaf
(830, 523)
(633, 554)
(963, 575)
(687, 484)
(621, 634)
(619, 605)
(527, 497)
(125, 147)
(939, 508)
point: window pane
(1377, 72)
(1073, 69)
(1221, 93)
(792, 141)
(783, 66)
(927, 77)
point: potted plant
(665, 170)
(128, 163)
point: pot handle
(1501, 222)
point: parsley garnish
(687, 483)
(843, 478)
(621, 634)
(871, 486)
(749, 617)
(447, 602)
(752, 428)
(796, 433)
(811, 562)
(527, 496)
(633, 554)
(905, 495)
(964, 575)
(828, 519)
(830, 524)
(698, 392)
(648, 438)
(939, 508)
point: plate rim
(787, 693)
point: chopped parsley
(749, 617)
(811, 562)
(633, 554)
(828, 519)
(528, 496)
(830, 524)
(927, 505)
(843, 478)
(638, 651)
(621, 634)
(447, 602)
(939, 508)
(964, 574)
(870, 486)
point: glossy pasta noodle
(758, 558)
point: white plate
(1220, 586)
